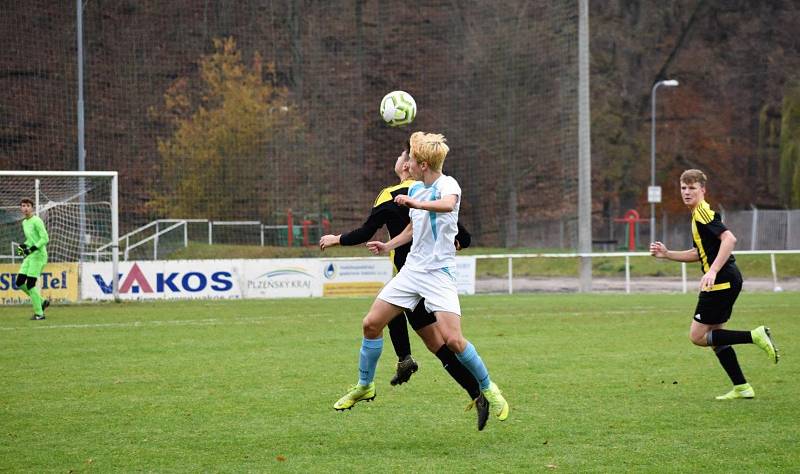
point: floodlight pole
(667, 83)
(81, 134)
(584, 150)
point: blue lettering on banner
(9, 281)
(192, 282)
(106, 288)
(6, 280)
(224, 285)
(49, 281)
(201, 279)
(161, 281)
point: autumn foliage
(224, 130)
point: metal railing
(126, 239)
(154, 231)
(627, 256)
(155, 237)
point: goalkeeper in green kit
(34, 251)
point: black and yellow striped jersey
(395, 218)
(707, 227)
(384, 212)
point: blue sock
(472, 361)
(368, 359)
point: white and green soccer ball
(398, 108)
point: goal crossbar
(78, 174)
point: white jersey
(434, 246)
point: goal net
(79, 210)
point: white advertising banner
(465, 275)
(262, 278)
(163, 280)
(281, 278)
(360, 277)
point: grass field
(603, 383)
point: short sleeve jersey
(707, 226)
(433, 244)
(35, 233)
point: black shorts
(420, 317)
(715, 307)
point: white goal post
(80, 210)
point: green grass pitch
(603, 383)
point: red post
(289, 228)
(306, 224)
(631, 217)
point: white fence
(627, 256)
(160, 238)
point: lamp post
(654, 193)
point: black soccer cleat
(482, 407)
(405, 368)
(37, 317)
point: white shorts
(438, 287)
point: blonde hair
(694, 176)
(429, 148)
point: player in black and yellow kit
(719, 286)
(395, 217)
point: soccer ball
(398, 108)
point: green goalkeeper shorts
(33, 264)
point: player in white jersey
(429, 273)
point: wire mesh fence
(755, 229)
(242, 110)
(246, 110)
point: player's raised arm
(376, 219)
(400, 239)
(659, 250)
(445, 204)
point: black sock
(457, 370)
(727, 357)
(724, 337)
(398, 331)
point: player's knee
(698, 339)
(21, 279)
(457, 344)
(371, 327)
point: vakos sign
(163, 279)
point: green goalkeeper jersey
(35, 233)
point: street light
(654, 193)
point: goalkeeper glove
(23, 250)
